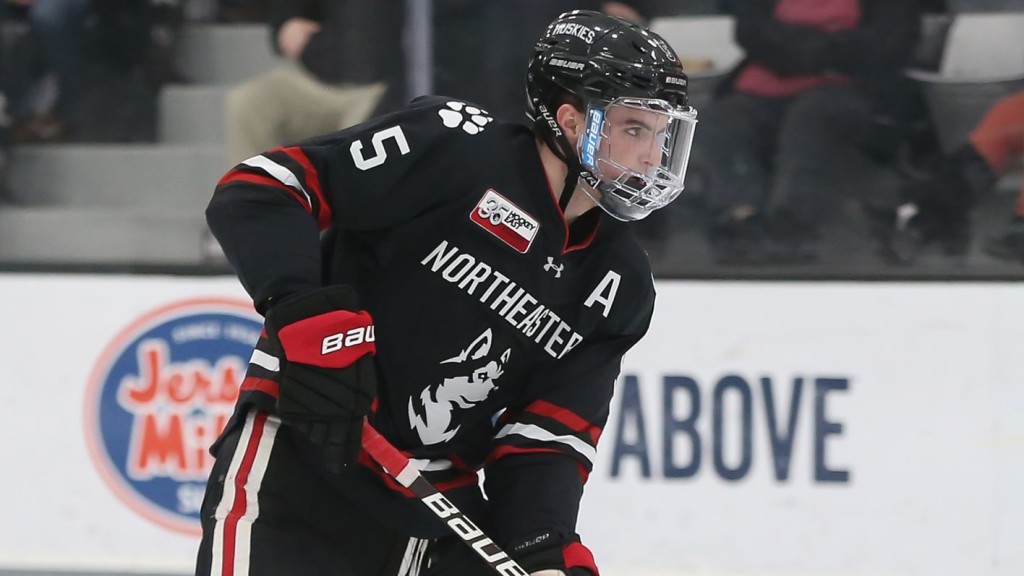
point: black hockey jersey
(498, 339)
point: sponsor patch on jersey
(510, 223)
(159, 395)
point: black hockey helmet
(607, 66)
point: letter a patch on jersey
(510, 223)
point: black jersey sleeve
(544, 451)
(267, 212)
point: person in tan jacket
(345, 63)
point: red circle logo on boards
(159, 395)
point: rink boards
(759, 429)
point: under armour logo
(556, 267)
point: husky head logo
(473, 375)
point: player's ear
(570, 120)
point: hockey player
(472, 296)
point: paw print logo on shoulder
(472, 119)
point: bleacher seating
(192, 114)
(225, 54)
(131, 203)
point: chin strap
(572, 178)
(563, 149)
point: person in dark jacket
(818, 99)
(345, 64)
(87, 70)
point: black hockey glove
(328, 381)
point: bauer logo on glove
(344, 331)
(354, 337)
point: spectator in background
(346, 65)
(133, 45)
(938, 208)
(107, 59)
(817, 101)
(60, 28)
(15, 77)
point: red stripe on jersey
(584, 473)
(506, 450)
(240, 503)
(502, 451)
(324, 217)
(250, 178)
(460, 464)
(565, 416)
(253, 384)
(577, 555)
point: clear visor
(637, 150)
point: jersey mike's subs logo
(510, 223)
(158, 397)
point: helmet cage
(635, 152)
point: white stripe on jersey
(227, 499)
(282, 174)
(265, 361)
(254, 470)
(537, 433)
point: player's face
(634, 138)
(636, 150)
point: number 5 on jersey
(379, 153)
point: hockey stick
(398, 467)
